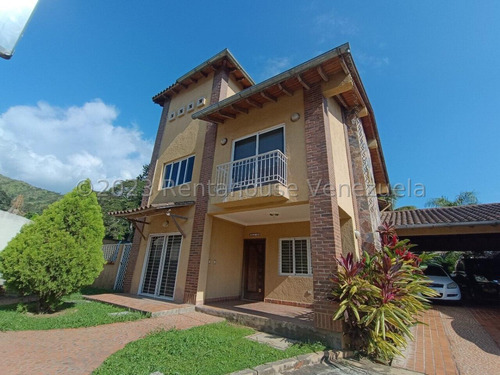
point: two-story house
(257, 188)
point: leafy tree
(145, 171)
(4, 200)
(463, 199)
(124, 195)
(406, 208)
(59, 252)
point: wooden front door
(254, 269)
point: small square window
(190, 107)
(201, 102)
(180, 112)
(171, 116)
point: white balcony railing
(267, 168)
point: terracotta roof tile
(444, 215)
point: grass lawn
(211, 349)
(75, 312)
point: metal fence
(253, 171)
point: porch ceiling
(269, 215)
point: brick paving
(456, 340)
(430, 353)
(81, 350)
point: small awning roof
(203, 70)
(478, 214)
(150, 210)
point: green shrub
(59, 252)
(380, 297)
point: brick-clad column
(364, 184)
(136, 242)
(219, 92)
(324, 213)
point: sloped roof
(203, 70)
(478, 214)
(318, 69)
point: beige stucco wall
(156, 227)
(232, 87)
(271, 115)
(183, 137)
(225, 261)
(340, 160)
(343, 186)
(285, 288)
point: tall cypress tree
(59, 252)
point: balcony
(257, 179)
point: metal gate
(120, 275)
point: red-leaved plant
(380, 296)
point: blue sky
(75, 98)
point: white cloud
(55, 148)
(274, 66)
(371, 61)
(330, 25)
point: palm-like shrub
(59, 252)
(381, 296)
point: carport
(459, 228)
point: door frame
(162, 260)
(245, 267)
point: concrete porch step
(142, 304)
(273, 324)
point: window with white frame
(178, 173)
(295, 257)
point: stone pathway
(81, 350)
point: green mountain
(35, 199)
(124, 196)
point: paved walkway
(80, 350)
(456, 340)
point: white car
(443, 284)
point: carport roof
(478, 214)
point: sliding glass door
(161, 263)
(256, 159)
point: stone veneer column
(324, 213)
(364, 189)
(219, 92)
(136, 242)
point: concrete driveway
(456, 340)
